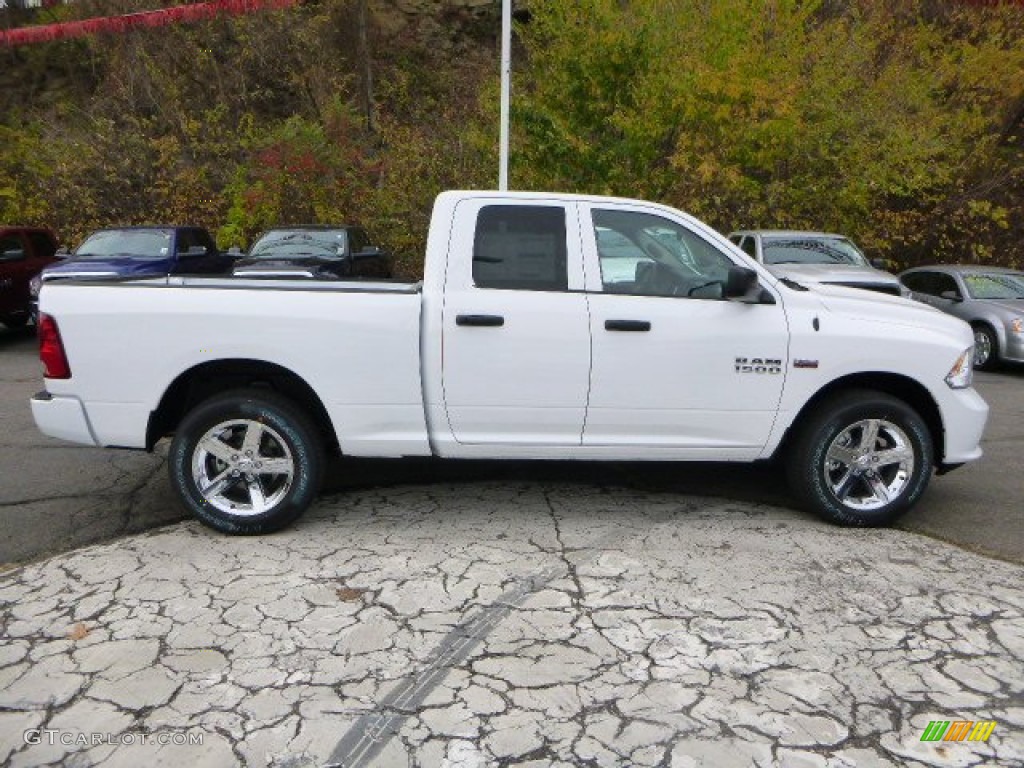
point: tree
(877, 121)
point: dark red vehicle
(24, 252)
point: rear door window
(520, 247)
(946, 284)
(920, 282)
(358, 241)
(42, 246)
(11, 248)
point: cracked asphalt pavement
(533, 616)
(516, 624)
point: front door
(675, 366)
(516, 333)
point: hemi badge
(805, 363)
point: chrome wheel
(242, 467)
(982, 347)
(869, 464)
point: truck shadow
(759, 483)
(14, 337)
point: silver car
(991, 299)
(815, 257)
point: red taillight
(51, 349)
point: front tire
(862, 458)
(246, 462)
(986, 348)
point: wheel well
(906, 389)
(987, 325)
(208, 379)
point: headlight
(1017, 325)
(961, 374)
(35, 285)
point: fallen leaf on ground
(350, 595)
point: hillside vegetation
(900, 124)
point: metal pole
(506, 85)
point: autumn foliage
(900, 124)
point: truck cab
(601, 324)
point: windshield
(300, 242)
(133, 243)
(995, 285)
(813, 250)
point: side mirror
(882, 264)
(741, 285)
(235, 251)
(63, 253)
(952, 296)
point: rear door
(516, 331)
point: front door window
(646, 255)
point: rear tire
(246, 462)
(861, 458)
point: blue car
(131, 252)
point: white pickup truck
(547, 326)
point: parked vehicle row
(24, 253)
(320, 252)
(547, 326)
(991, 299)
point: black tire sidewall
(807, 475)
(277, 413)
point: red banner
(118, 24)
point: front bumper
(964, 415)
(62, 417)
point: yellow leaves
(865, 118)
(987, 211)
(878, 119)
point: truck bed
(355, 343)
